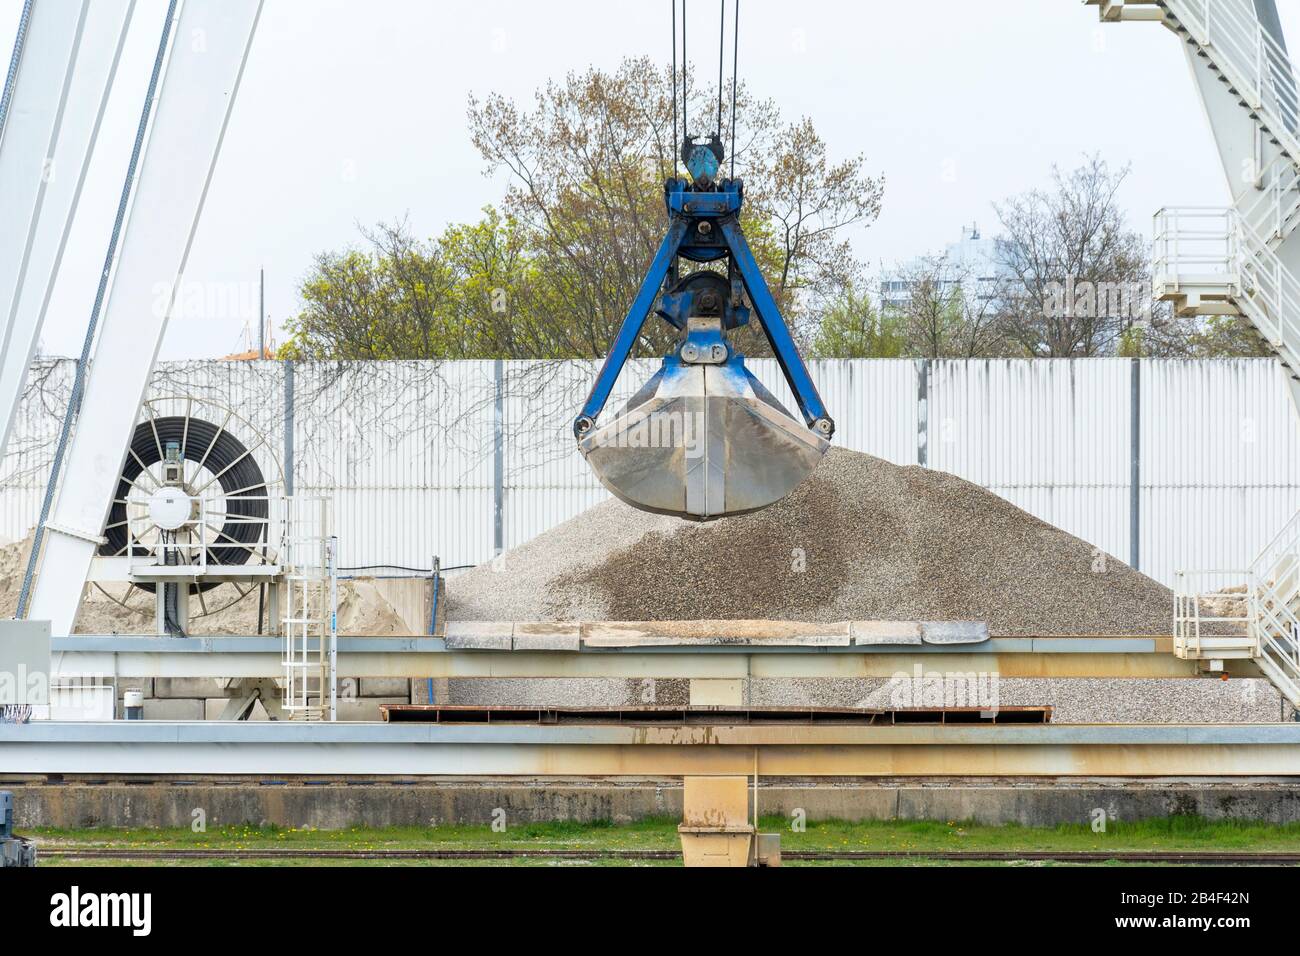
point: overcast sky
(353, 113)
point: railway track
(1193, 858)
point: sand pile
(362, 609)
(861, 539)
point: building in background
(971, 257)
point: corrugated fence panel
(410, 451)
(1051, 436)
(546, 480)
(408, 446)
(873, 402)
(1220, 463)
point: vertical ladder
(310, 624)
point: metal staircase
(1275, 586)
(1234, 260)
(1209, 261)
(1228, 35)
(1238, 261)
(1251, 614)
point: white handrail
(1211, 615)
(1250, 57)
(1275, 210)
(1276, 628)
(1216, 244)
(1285, 541)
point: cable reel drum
(197, 512)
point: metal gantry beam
(406, 750)
(417, 657)
(62, 73)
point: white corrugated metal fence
(457, 459)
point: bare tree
(852, 326)
(1076, 271)
(587, 164)
(947, 311)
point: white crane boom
(207, 60)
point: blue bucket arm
(686, 209)
(777, 332)
(631, 327)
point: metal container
(133, 705)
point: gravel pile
(1073, 700)
(862, 539)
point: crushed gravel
(877, 541)
(862, 539)
(1073, 700)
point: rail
(1221, 614)
(1212, 608)
(1272, 214)
(1214, 247)
(1250, 58)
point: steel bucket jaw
(703, 442)
(704, 439)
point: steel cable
(722, 56)
(735, 60)
(11, 78)
(676, 146)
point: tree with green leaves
(852, 327)
(552, 273)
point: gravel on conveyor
(1073, 700)
(863, 539)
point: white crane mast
(67, 56)
(210, 45)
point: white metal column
(203, 75)
(61, 88)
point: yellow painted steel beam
(641, 760)
(788, 750)
(879, 760)
(663, 665)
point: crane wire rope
(684, 96)
(674, 142)
(735, 60)
(722, 56)
(11, 78)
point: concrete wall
(204, 698)
(335, 806)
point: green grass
(1172, 833)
